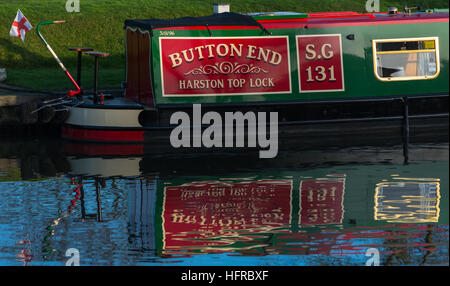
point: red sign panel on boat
(225, 66)
(320, 63)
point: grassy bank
(52, 78)
(100, 25)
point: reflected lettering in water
(322, 200)
(224, 215)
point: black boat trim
(281, 123)
(291, 102)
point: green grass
(55, 79)
(100, 25)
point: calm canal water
(308, 207)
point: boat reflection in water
(299, 216)
(331, 206)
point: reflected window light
(407, 200)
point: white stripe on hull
(104, 117)
(121, 167)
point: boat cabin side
(233, 58)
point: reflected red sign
(322, 201)
(320, 63)
(214, 66)
(220, 213)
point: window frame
(406, 78)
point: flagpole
(71, 92)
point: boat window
(406, 59)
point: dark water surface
(332, 206)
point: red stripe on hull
(102, 135)
(312, 24)
(319, 20)
(210, 28)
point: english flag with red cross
(20, 26)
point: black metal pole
(80, 95)
(83, 209)
(99, 203)
(95, 80)
(79, 68)
(405, 129)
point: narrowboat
(361, 71)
